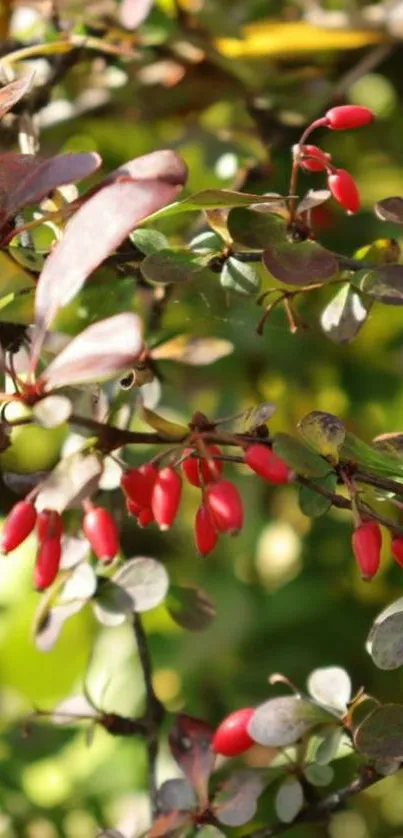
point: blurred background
(230, 84)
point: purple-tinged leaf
(170, 824)
(380, 736)
(176, 795)
(74, 479)
(236, 802)
(305, 263)
(133, 12)
(104, 350)
(313, 198)
(190, 743)
(13, 92)
(280, 722)
(191, 608)
(163, 166)
(390, 209)
(95, 231)
(384, 284)
(26, 180)
(145, 581)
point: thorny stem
(154, 711)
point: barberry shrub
(138, 454)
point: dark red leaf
(169, 824)
(190, 743)
(26, 180)
(133, 12)
(105, 349)
(92, 234)
(13, 92)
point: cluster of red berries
(98, 527)
(155, 494)
(367, 546)
(311, 158)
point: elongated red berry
(344, 189)
(49, 524)
(145, 517)
(47, 563)
(397, 550)
(201, 471)
(133, 508)
(17, 526)
(133, 484)
(206, 535)
(102, 533)
(267, 464)
(314, 159)
(166, 497)
(344, 117)
(367, 545)
(225, 505)
(231, 737)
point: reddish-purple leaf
(26, 180)
(104, 350)
(236, 801)
(133, 12)
(93, 233)
(169, 824)
(190, 743)
(164, 166)
(13, 92)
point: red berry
(205, 532)
(367, 545)
(344, 189)
(166, 497)
(225, 505)
(49, 524)
(397, 550)
(231, 737)
(17, 526)
(47, 562)
(132, 483)
(314, 160)
(267, 464)
(133, 508)
(102, 533)
(200, 471)
(145, 517)
(348, 116)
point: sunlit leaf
(149, 241)
(81, 585)
(104, 350)
(190, 743)
(113, 680)
(13, 278)
(75, 478)
(145, 581)
(283, 721)
(345, 315)
(313, 198)
(176, 794)
(289, 800)
(368, 456)
(191, 608)
(390, 209)
(241, 277)
(193, 350)
(324, 432)
(380, 736)
(236, 802)
(212, 199)
(384, 284)
(330, 686)
(11, 93)
(170, 824)
(112, 604)
(52, 411)
(168, 429)
(133, 12)
(313, 504)
(390, 442)
(305, 263)
(299, 457)
(385, 640)
(48, 630)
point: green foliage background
(287, 593)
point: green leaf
(113, 680)
(145, 581)
(299, 457)
(149, 241)
(385, 640)
(380, 736)
(241, 277)
(345, 315)
(191, 608)
(312, 504)
(319, 775)
(283, 721)
(256, 229)
(324, 432)
(327, 750)
(171, 266)
(215, 199)
(368, 456)
(112, 604)
(207, 242)
(390, 209)
(384, 284)
(289, 800)
(305, 263)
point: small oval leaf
(330, 686)
(191, 608)
(240, 277)
(324, 432)
(345, 315)
(299, 457)
(283, 721)
(390, 209)
(380, 736)
(313, 504)
(305, 263)
(145, 581)
(289, 800)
